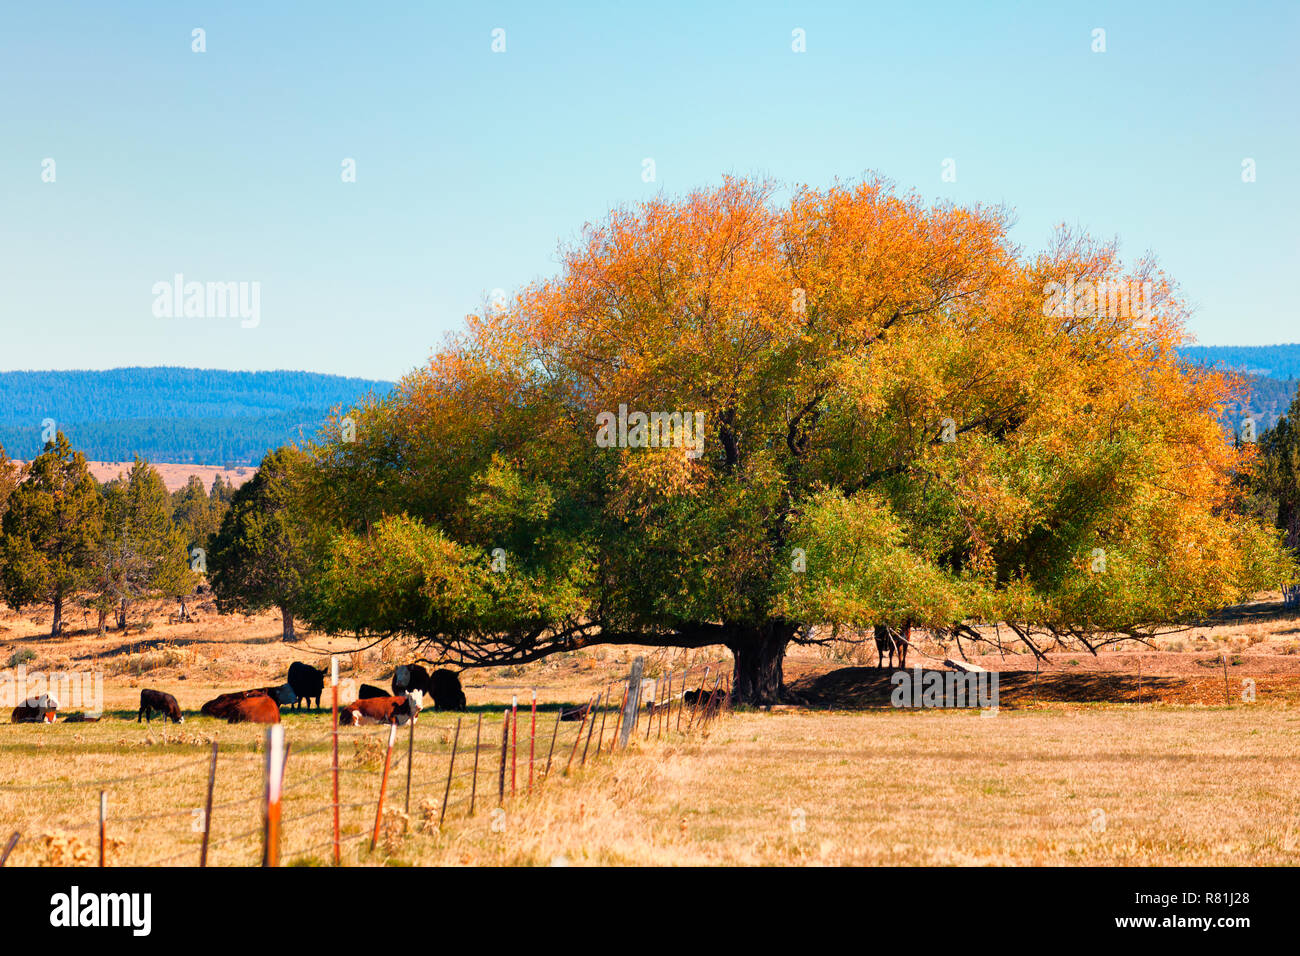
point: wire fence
(306, 800)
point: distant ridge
(1271, 361)
(1272, 373)
(173, 414)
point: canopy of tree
(896, 429)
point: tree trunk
(103, 619)
(121, 616)
(286, 625)
(758, 677)
(56, 625)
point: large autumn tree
(903, 424)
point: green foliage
(196, 513)
(50, 531)
(267, 551)
(142, 553)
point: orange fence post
(532, 742)
(383, 784)
(274, 783)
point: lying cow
(156, 702)
(218, 706)
(370, 691)
(36, 710)
(382, 710)
(253, 710)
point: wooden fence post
(632, 702)
(383, 785)
(207, 809)
(274, 781)
(103, 822)
(559, 712)
(334, 727)
(1227, 697)
(473, 783)
(501, 779)
(450, 767)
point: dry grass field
(1085, 763)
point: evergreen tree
(1274, 485)
(49, 532)
(265, 553)
(142, 554)
(10, 475)
(197, 515)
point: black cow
(442, 686)
(307, 683)
(368, 691)
(156, 702)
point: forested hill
(184, 415)
(1272, 372)
(1270, 361)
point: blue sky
(472, 166)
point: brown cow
(253, 710)
(218, 706)
(382, 710)
(156, 702)
(36, 710)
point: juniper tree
(49, 532)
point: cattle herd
(412, 686)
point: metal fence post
(450, 767)
(207, 809)
(334, 728)
(473, 783)
(383, 784)
(274, 781)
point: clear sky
(471, 166)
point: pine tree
(265, 553)
(49, 532)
